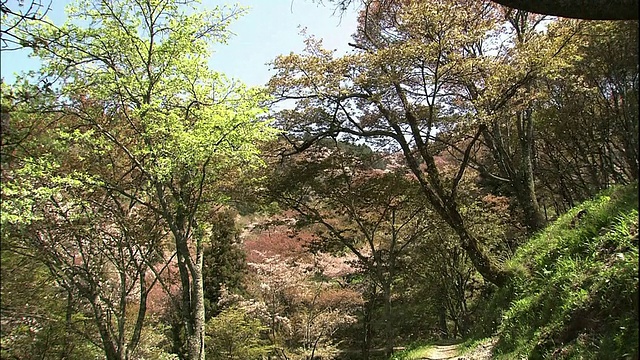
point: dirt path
(482, 351)
(440, 352)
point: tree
(373, 214)
(224, 263)
(97, 246)
(40, 319)
(133, 75)
(505, 94)
(13, 15)
(589, 134)
(298, 293)
(234, 334)
(395, 91)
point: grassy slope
(575, 293)
(576, 290)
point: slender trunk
(482, 261)
(68, 345)
(142, 311)
(196, 338)
(534, 217)
(366, 333)
(192, 288)
(102, 322)
(193, 307)
(388, 326)
(121, 316)
(447, 209)
(444, 204)
(523, 181)
(442, 320)
(185, 308)
(630, 145)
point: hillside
(576, 290)
(575, 293)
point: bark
(578, 9)
(68, 345)
(533, 215)
(196, 338)
(519, 177)
(110, 350)
(184, 229)
(631, 143)
(490, 270)
(442, 320)
(192, 300)
(142, 311)
(446, 206)
(523, 184)
(366, 333)
(386, 297)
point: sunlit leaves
(144, 131)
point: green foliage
(576, 290)
(181, 115)
(39, 321)
(224, 261)
(594, 118)
(233, 334)
(139, 141)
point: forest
(467, 174)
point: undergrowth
(575, 292)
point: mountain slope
(576, 291)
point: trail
(440, 352)
(483, 351)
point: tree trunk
(447, 209)
(523, 184)
(68, 344)
(490, 270)
(110, 350)
(196, 338)
(534, 218)
(442, 320)
(517, 167)
(366, 327)
(193, 299)
(482, 261)
(386, 298)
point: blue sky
(268, 29)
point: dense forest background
(154, 209)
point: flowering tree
(373, 214)
(303, 304)
(163, 130)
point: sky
(268, 29)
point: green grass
(575, 293)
